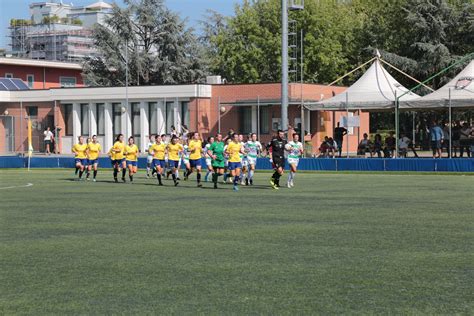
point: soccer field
(336, 243)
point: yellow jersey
(174, 150)
(111, 153)
(93, 150)
(195, 147)
(158, 151)
(118, 149)
(233, 149)
(131, 152)
(80, 151)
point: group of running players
(230, 157)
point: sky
(192, 9)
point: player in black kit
(277, 148)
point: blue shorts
(158, 162)
(195, 163)
(117, 161)
(234, 165)
(173, 163)
(92, 162)
(81, 161)
(131, 163)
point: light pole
(284, 64)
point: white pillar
(144, 127)
(177, 114)
(76, 122)
(126, 120)
(161, 117)
(92, 119)
(109, 133)
(254, 119)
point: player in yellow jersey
(174, 149)
(93, 152)
(195, 148)
(131, 157)
(119, 159)
(158, 150)
(79, 151)
(234, 150)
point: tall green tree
(160, 49)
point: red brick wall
(50, 76)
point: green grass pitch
(335, 244)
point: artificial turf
(336, 243)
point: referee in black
(277, 147)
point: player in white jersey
(210, 170)
(186, 153)
(149, 157)
(253, 148)
(295, 151)
(244, 162)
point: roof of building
(39, 63)
(99, 4)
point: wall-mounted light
(223, 109)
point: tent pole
(450, 153)
(219, 114)
(347, 123)
(396, 125)
(413, 128)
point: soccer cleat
(160, 184)
(116, 180)
(246, 181)
(288, 184)
(94, 180)
(272, 182)
(176, 183)
(292, 183)
(215, 185)
(123, 180)
(236, 188)
(199, 185)
(88, 179)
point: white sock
(177, 173)
(292, 174)
(251, 174)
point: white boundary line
(18, 186)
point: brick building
(154, 109)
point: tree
(161, 49)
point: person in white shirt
(149, 157)
(48, 140)
(253, 148)
(295, 151)
(403, 145)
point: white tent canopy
(459, 92)
(376, 89)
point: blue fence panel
(316, 164)
(455, 165)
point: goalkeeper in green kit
(216, 152)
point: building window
(31, 80)
(66, 82)
(185, 113)
(245, 119)
(169, 116)
(264, 120)
(68, 119)
(32, 111)
(152, 118)
(136, 123)
(117, 118)
(100, 117)
(8, 75)
(85, 119)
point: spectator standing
(456, 133)
(48, 140)
(446, 138)
(436, 137)
(464, 141)
(339, 133)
